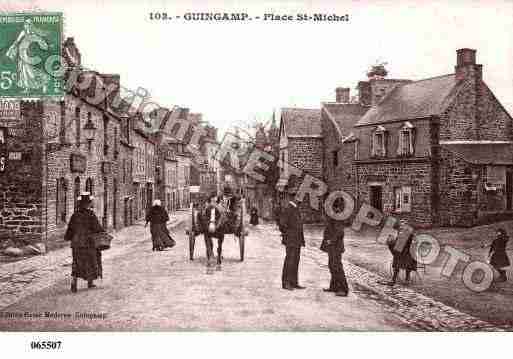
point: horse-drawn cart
(231, 222)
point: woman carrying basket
(87, 259)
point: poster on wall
(10, 113)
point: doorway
(509, 190)
(376, 197)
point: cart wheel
(241, 246)
(192, 240)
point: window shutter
(400, 143)
(398, 194)
(385, 143)
(406, 201)
(373, 146)
(413, 133)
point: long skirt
(87, 263)
(160, 236)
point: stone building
(436, 151)
(301, 145)
(263, 195)
(54, 150)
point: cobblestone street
(145, 290)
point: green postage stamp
(30, 55)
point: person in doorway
(333, 244)
(253, 214)
(86, 258)
(291, 227)
(160, 236)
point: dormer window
(406, 139)
(378, 142)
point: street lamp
(89, 132)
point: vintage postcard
(256, 166)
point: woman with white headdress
(158, 217)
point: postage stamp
(30, 54)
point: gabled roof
(419, 99)
(345, 115)
(483, 153)
(301, 122)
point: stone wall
(306, 154)
(390, 174)
(20, 181)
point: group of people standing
(291, 227)
(87, 258)
(401, 247)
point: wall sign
(9, 111)
(77, 163)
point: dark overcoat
(87, 263)
(158, 217)
(333, 236)
(499, 257)
(291, 227)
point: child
(402, 258)
(498, 256)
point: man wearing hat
(291, 228)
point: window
(61, 202)
(62, 128)
(356, 150)
(402, 202)
(77, 126)
(105, 135)
(378, 145)
(335, 158)
(76, 193)
(116, 140)
(89, 186)
(406, 137)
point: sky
(234, 73)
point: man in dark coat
(333, 244)
(291, 228)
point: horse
(218, 219)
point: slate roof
(301, 122)
(483, 154)
(417, 99)
(346, 115)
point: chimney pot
(342, 94)
(465, 57)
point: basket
(102, 240)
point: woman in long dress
(158, 217)
(87, 260)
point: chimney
(342, 94)
(466, 66)
(112, 85)
(364, 93)
(184, 113)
